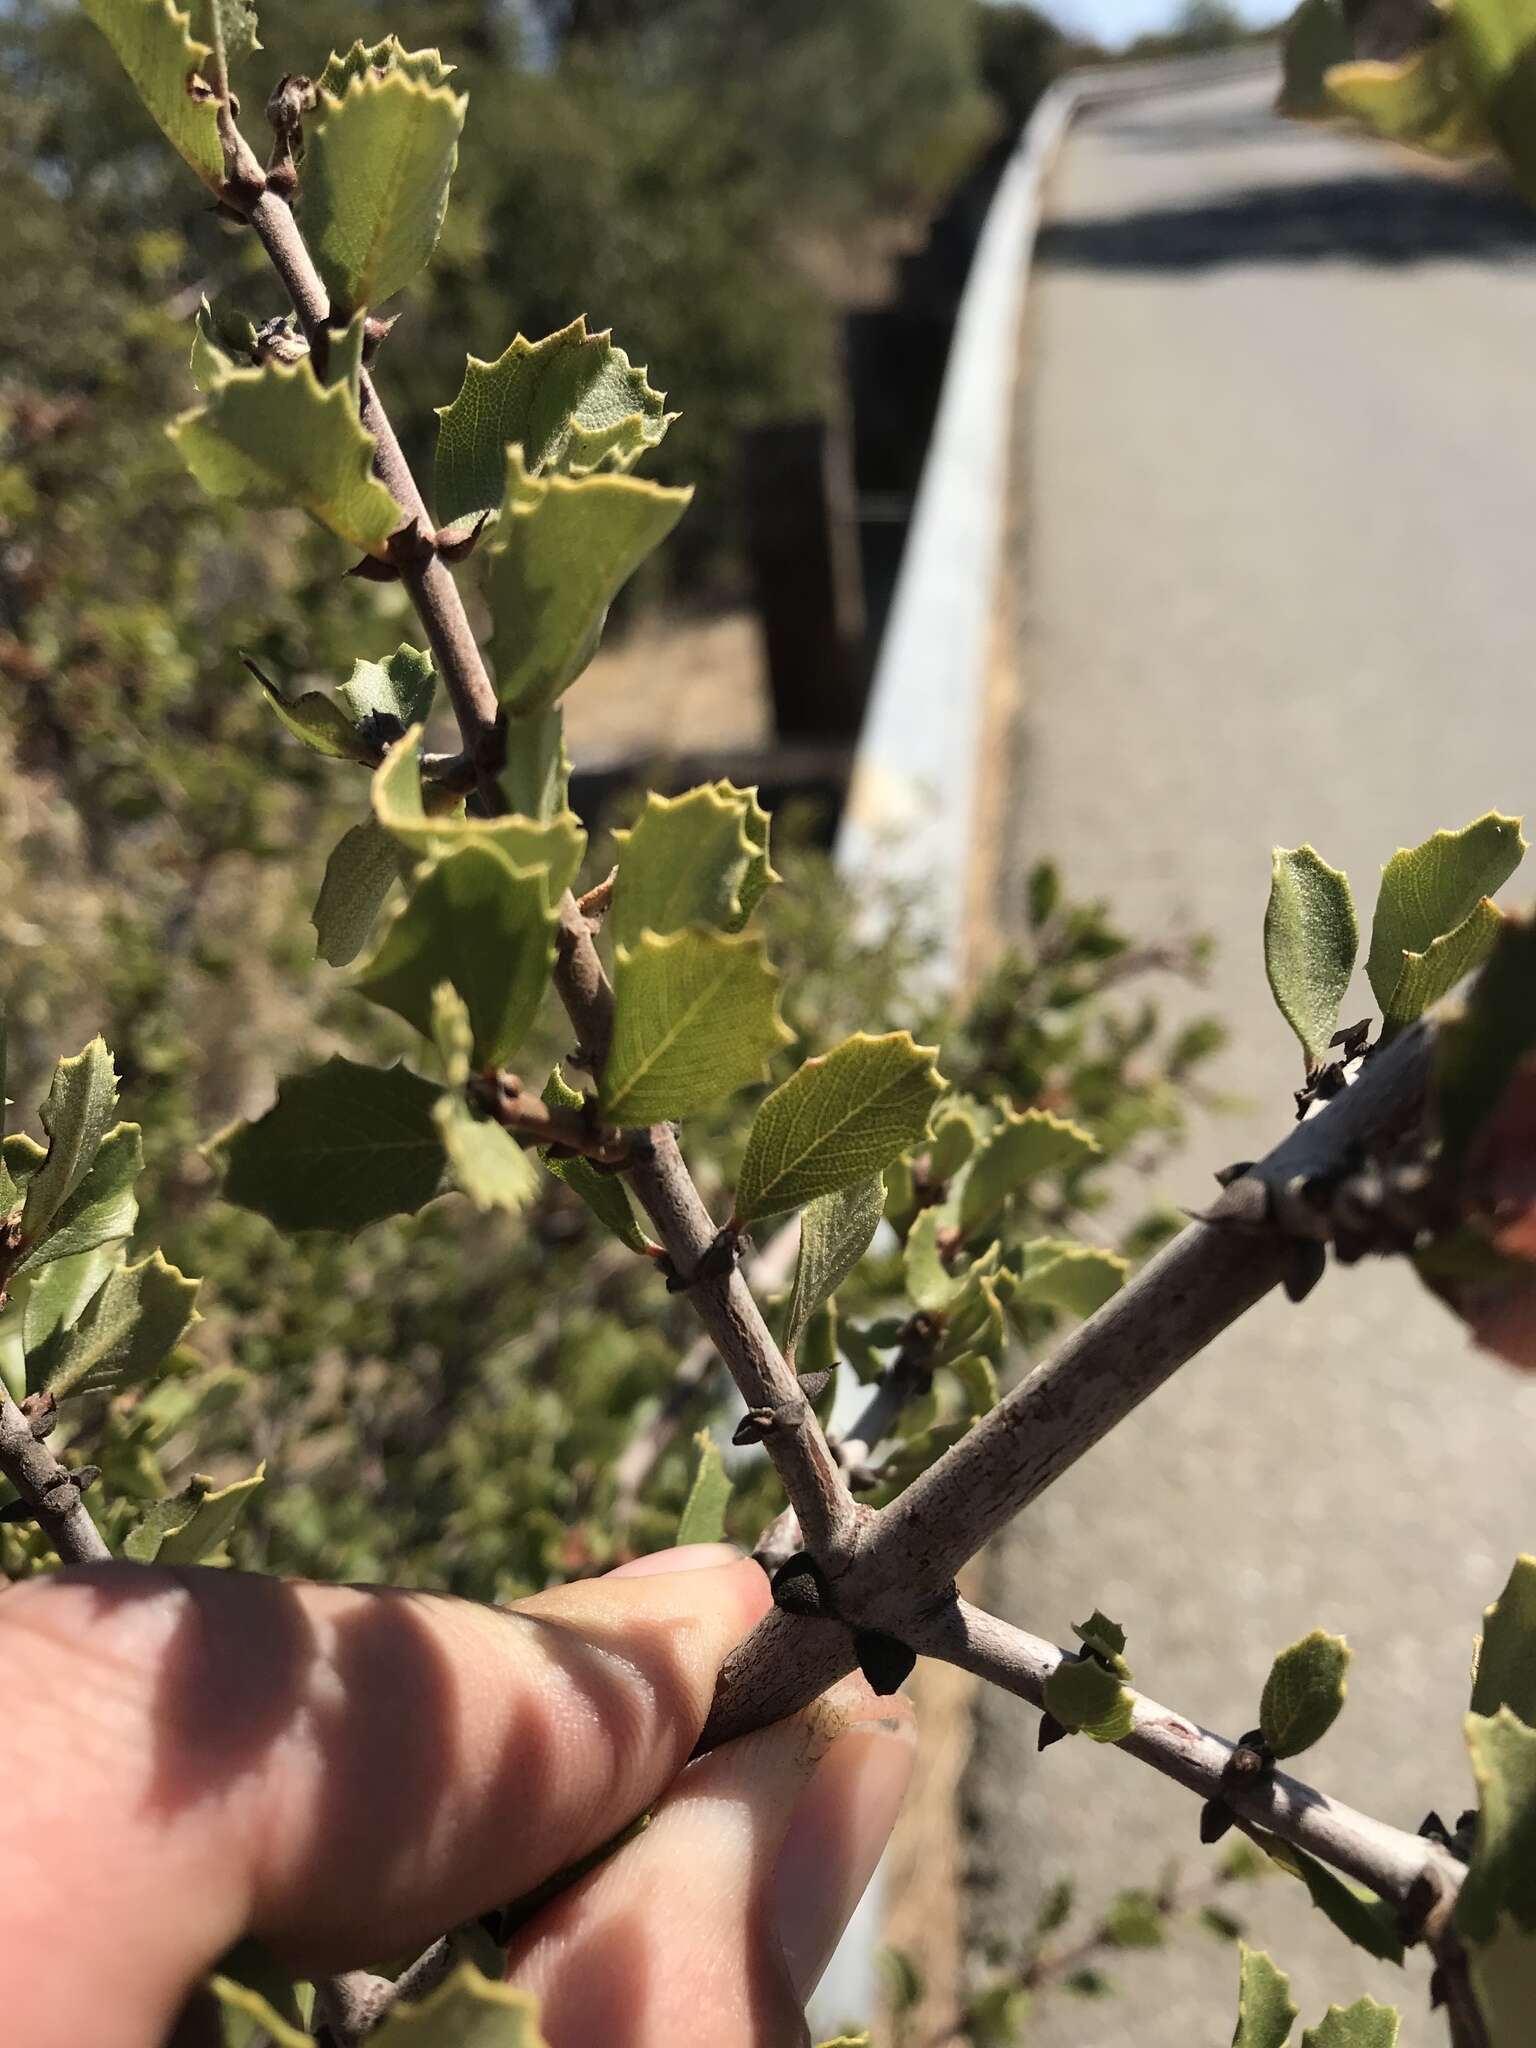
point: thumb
(341, 1771)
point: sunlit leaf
(1310, 943)
(1304, 1692)
(703, 1516)
(836, 1231)
(192, 1525)
(153, 43)
(696, 1016)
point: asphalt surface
(1279, 572)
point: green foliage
(1362, 1918)
(1264, 2012)
(1089, 1698)
(152, 43)
(193, 1525)
(696, 1017)
(603, 1194)
(1036, 1142)
(363, 867)
(1505, 1672)
(380, 155)
(703, 1516)
(699, 858)
(553, 845)
(837, 1121)
(136, 1317)
(836, 1230)
(467, 2011)
(1365, 2024)
(75, 1116)
(1434, 898)
(1304, 1693)
(1502, 1878)
(1310, 942)
(1077, 1278)
(1479, 1054)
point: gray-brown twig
(49, 1489)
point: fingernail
(842, 1822)
(689, 1557)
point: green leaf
(468, 2011)
(138, 1316)
(1105, 1637)
(554, 844)
(1426, 977)
(958, 1129)
(696, 1016)
(1506, 1656)
(974, 1322)
(836, 1231)
(102, 1206)
(1079, 1278)
(563, 549)
(193, 1524)
(1264, 2008)
(487, 1163)
(249, 2005)
(1089, 1700)
(1365, 2024)
(319, 722)
(1021, 1147)
(487, 928)
(536, 776)
(1310, 943)
(1502, 1877)
(275, 436)
(1134, 1920)
(1304, 1692)
(426, 66)
(1421, 99)
(1428, 891)
(703, 1516)
(838, 1119)
(761, 874)
(378, 161)
(685, 862)
(978, 1382)
(572, 402)
(169, 70)
(52, 1301)
(235, 22)
(81, 1099)
(1369, 1922)
(1503, 1973)
(930, 1282)
(251, 1964)
(385, 697)
(1476, 1054)
(363, 867)
(602, 1192)
(342, 1146)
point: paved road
(1280, 578)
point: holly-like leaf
(1264, 2010)
(235, 21)
(1429, 891)
(709, 1494)
(1310, 943)
(1365, 2024)
(684, 862)
(1369, 1922)
(1079, 1278)
(379, 159)
(364, 865)
(554, 844)
(1478, 1053)
(342, 1146)
(1502, 1877)
(102, 1206)
(563, 549)
(137, 1317)
(1089, 1700)
(276, 436)
(761, 873)
(152, 42)
(1105, 1638)
(81, 1099)
(425, 66)
(50, 1302)
(487, 1163)
(319, 722)
(1428, 976)
(838, 1119)
(487, 928)
(930, 1281)
(602, 1192)
(1506, 1654)
(467, 2011)
(1304, 1692)
(572, 402)
(696, 1016)
(191, 1526)
(384, 698)
(836, 1231)
(1022, 1147)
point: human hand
(342, 1772)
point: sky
(1117, 21)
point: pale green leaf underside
(364, 865)
(837, 1120)
(836, 1231)
(709, 1494)
(53, 1300)
(603, 1193)
(1090, 1700)
(81, 1098)
(342, 1146)
(1360, 1916)
(396, 691)
(1310, 943)
(191, 1525)
(487, 1163)
(1078, 1278)
(134, 1321)
(153, 44)
(276, 436)
(696, 1017)
(487, 928)
(1506, 1658)
(378, 163)
(101, 1208)
(1428, 891)
(319, 722)
(684, 861)
(572, 402)
(554, 844)
(1304, 1692)
(563, 549)
(468, 2011)
(1426, 977)
(1020, 1148)
(1365, 2024)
